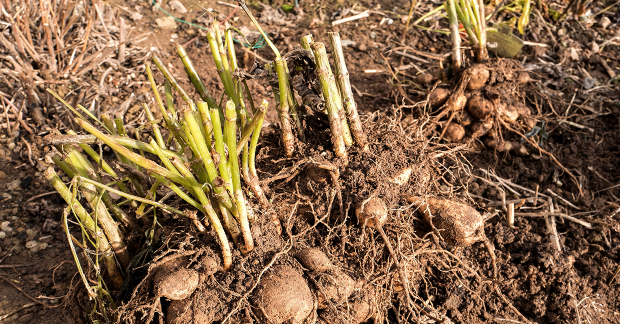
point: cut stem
(331, 99)
(344, 85)
(454, 34)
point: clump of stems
(194, 153)
(470, 13)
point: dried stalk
(344, 85)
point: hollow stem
(344, 85)
(331, 98)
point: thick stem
(288, 140)
(103, 245)
(230, 131)
(331, 99)
(306, 41)
(344, 84)
(454, 34)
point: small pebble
(177, 6)
(373, 35)
(5, 226)
(2, 235)
(13, 185)
(347, 42)
(2, 175)
(166, 23)
(604, 22)
(11, 146)
(390, 21)
(589, 83)
(362, 48)
(174, 36)
(31, 244)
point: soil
(574, 285)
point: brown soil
(546, 285)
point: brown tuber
(425, 78)
(479, 75)
(454, 133)
(372, 212)
(479, 107)
(456, 104)
(173, 281)
(508, 114)
(314, 259)
(523, 78)
(456, 223)
(335, 287)
(481, 127)
(438, 97)
(205, 307)
(283, 296)
(466, 118)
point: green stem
(222, 162)
(288, 140)
(251, 127)
(164, 70)
(109, 226)
(205, 154)
(230, 132)
(131, 156)
(260, 30)
(156, 131)
(194, 78)
(222, 67)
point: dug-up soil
(313, 195)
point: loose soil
(546, 285)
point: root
(535, 145)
